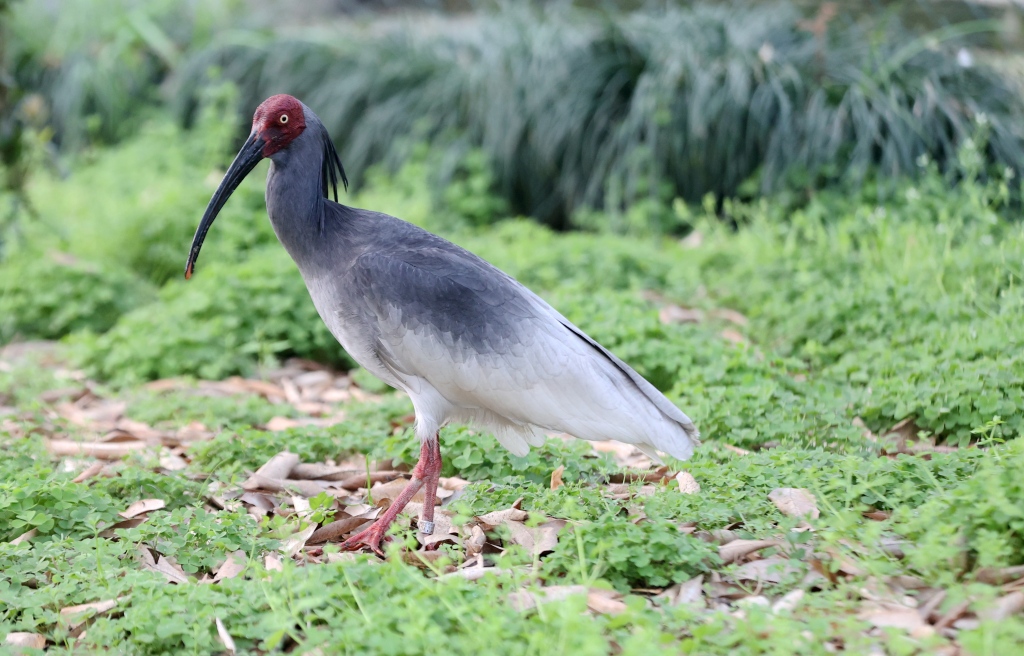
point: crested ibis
(466, 341)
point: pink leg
(427, 470)
(430, 491)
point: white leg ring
(426, 528)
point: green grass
(847, 309)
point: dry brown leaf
(110, 531)
(170, 570)
(952, 615)
(225, 637)
(556, 477)
(737, 549)
(687, 483)
(494, 519)
(538, 540)
(142, 506)
(1005, 606)
(279, 466)
(291, 546)
(733, 336)
(679, 314)
(26, 536)
(103, 450)
(453, 483)
(261, 501)
(171, 461)
(732, 316)
(138, 430)
(272, 563)
(525, 600)
(232, 566)
(89, 472)
(360, 480)
(321, 471)
(476, 541)
(999, 575)
(74, 616)
(165, 385)
(341, 527)
(269, 390)
(771, 570)
(687, 592)
(735, 449)
(794, 502)
(605, 602)
(788, 602)
(23, 639)
(392, 490)
(892, 615)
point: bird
(467, 342)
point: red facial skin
(268, 124)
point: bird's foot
(370, 537)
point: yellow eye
(283, 119)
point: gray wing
(494, 349)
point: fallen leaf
(321, 471)
(731, 335)
(731, 316)
(171, 571)
(142, 506)
(736, 550)
(278, 467)
(556, 477)
(891, 615)
(525, 600)
(341, 527)
(794, 502)
(685, 593)
(89, 472)
(494, 519)
(291, 546)
(74, 616)
(537, 541)
(225, 637)
(272, 563)
(26, 536)
(999, 575)
(1004, 607)
(110, 531)
(687, 483)
(23, 639)
(788, 602)
(770, 570)
(679, 314)
(605, 602)
(475, 543)
(103, 450)
(232, 566)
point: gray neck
(294, 201)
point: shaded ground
(201, 517)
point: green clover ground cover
(798, 323)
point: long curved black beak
(245, 161)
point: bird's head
(278, 122)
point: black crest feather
(330, 171)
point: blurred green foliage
(625, 112)
(48, 297)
